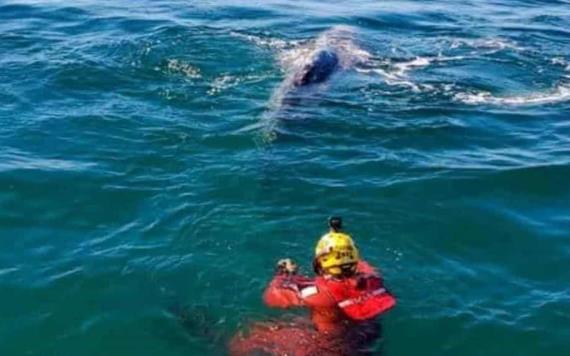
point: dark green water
(135, 173)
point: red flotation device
(366, 299)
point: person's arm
(282, 292)
(285, 289)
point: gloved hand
(287, 267)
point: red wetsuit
(341, 313)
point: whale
(311, 65)
(321, 66)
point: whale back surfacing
(323, 65)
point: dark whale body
(323, 65)
(308, 68)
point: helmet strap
(317, 267)
(348, 270)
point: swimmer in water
(344, 298)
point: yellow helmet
(335, 253)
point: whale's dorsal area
(308, 66)
(323, 64)
(317, 60)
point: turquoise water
(146, 164)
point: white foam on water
(561, 62)
(398, 74)
(559, 94)
(227, 81)
(417, 62)
(421, 62)
(295, 58)
(265, 41)
(187, 69)
(221, 83)
(495, 44)
(392, 78)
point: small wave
(560, 94)
(18, 160)
(65, 274)
(5, 271)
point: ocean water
(150, 167)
